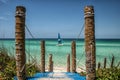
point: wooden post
(20, 42)
(105, 62)
(73, 56)
(50, 67)
(90, 48)
(99, 65)
(112, 62)
(42, 56)
(68, 63)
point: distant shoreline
(62, 38)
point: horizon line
(56, 38)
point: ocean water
(104, 48)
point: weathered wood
(42, 56)
(20, 42)
(50, 67)
(112, 62)
(99, 65)
(105, 60)
(90, 48)
(68, 63)
(73, 47)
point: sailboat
(59, 40)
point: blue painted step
(56, 76)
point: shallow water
(104, 48)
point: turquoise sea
(104, 48)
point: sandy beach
(64, 69)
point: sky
(47, 18)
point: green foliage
(108, 74)
(8, 66)
(31, 69)
(83, 73)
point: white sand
(64, 69)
